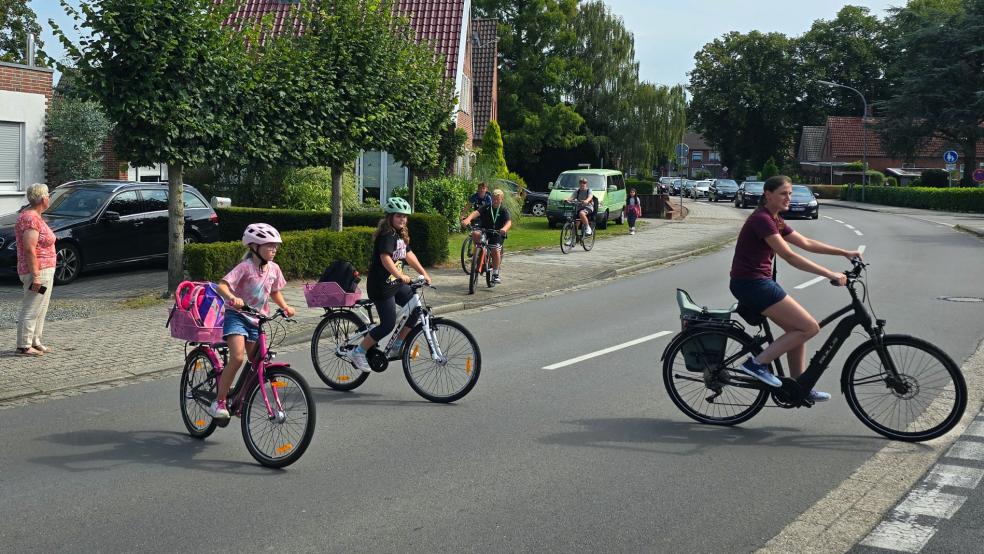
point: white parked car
(701, 188)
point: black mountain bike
(899, 386)
(572, 233)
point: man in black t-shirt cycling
(494, 216)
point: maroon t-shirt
(753, 256)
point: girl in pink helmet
(253, 282)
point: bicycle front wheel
(331, 337)
(567, 237)
(198, 390)
(907, 389)
(476, 269)
(453, 375)
(281, 439)
(701, 376)
(587, 241)
(467, 250)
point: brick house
(701, 156)
(25, 94)
(826, 149)
(463, 43)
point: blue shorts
(757, 294)
(236, 324)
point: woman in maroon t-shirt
(764, 235)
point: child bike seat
(689, 308)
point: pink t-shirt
(29, 219)
(753, 256)
(254, 285)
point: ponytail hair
(773, 183)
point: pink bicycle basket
(329, 295)
(184, 327)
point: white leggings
(33, 309)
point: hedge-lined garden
(309, 246)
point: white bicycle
(441, 358)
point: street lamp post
(864, 140)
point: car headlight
(812, 203)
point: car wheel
(191, 238)
(538, 209)
(816, 215)
(603, 223)
(68, 264)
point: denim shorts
(757, 294)
(236, 324)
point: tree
(940, 79)
(168, 75)
(78, 129)
(536, 41)
(748, 97)
(770, 169)
(491, 161)
(17, 20)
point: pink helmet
(260, 233)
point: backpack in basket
(343, 273)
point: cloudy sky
(667, 33)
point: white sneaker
(359, 361)
(588, 231)
(632, 231)
(219, 410)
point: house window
(714, 156)
(697, 156)
(11, 155)
(466, 94)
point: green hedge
(428, 232)
(828, 192)
(927, 198)
(304, 254)
(642, 187)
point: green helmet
(397, 205)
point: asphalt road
(590, 456)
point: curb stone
(971, 230)
(847, 513)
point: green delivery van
(607, 186)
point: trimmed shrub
(891, 181)
(641, 186)
(431, 246)
(828, 192)
(491, 162)
(876, 178)
(934, 178)
(304, 254)
(928, 198)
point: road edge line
(845, 515)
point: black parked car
(104, 223)
(803, 204)
(749, 194)
(722, 189)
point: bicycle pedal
(223, 422)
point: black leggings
(386, 308)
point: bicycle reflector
(285, 448)
(416, 350)
(468, 365)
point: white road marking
(608, 350)
(955, 476)
(811, 282)
(900, 536)
(848, 226)
(858, 233)
(861, 248)
(828, 217)
(967, 450)
(932, 503)
(839, 221)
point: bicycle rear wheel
(926, 400)
(567, 237)
(449, 379)
(198, 390)
(467, 250)
(587, 241)
(332, 334)
(701, 376)
(281, 440)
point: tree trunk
(336, 197)
(970, 164)
(176, 224)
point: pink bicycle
(273, 401)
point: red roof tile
(844, 134)
(485, 53)
(437, 22)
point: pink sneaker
(219, 409)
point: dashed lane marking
(816, 280)
(608, 350)
(858, 233)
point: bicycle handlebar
(854, 273)
(420, 282)
(264, 318)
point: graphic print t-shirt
(381, 283)
(254, 286)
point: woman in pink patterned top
(36, 267)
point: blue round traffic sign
(950, 156)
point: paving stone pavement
(120, 344)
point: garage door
(10, 155)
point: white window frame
(18, 186)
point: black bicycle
(572, 233)
(899, 386)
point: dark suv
(104, 223)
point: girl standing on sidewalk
(253, 282)
(387, 285)
(633, 209)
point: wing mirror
(111, 216)
(550, 185)
(612, 188)
(816, 195)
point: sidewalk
(967, 222)
(101, 346)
